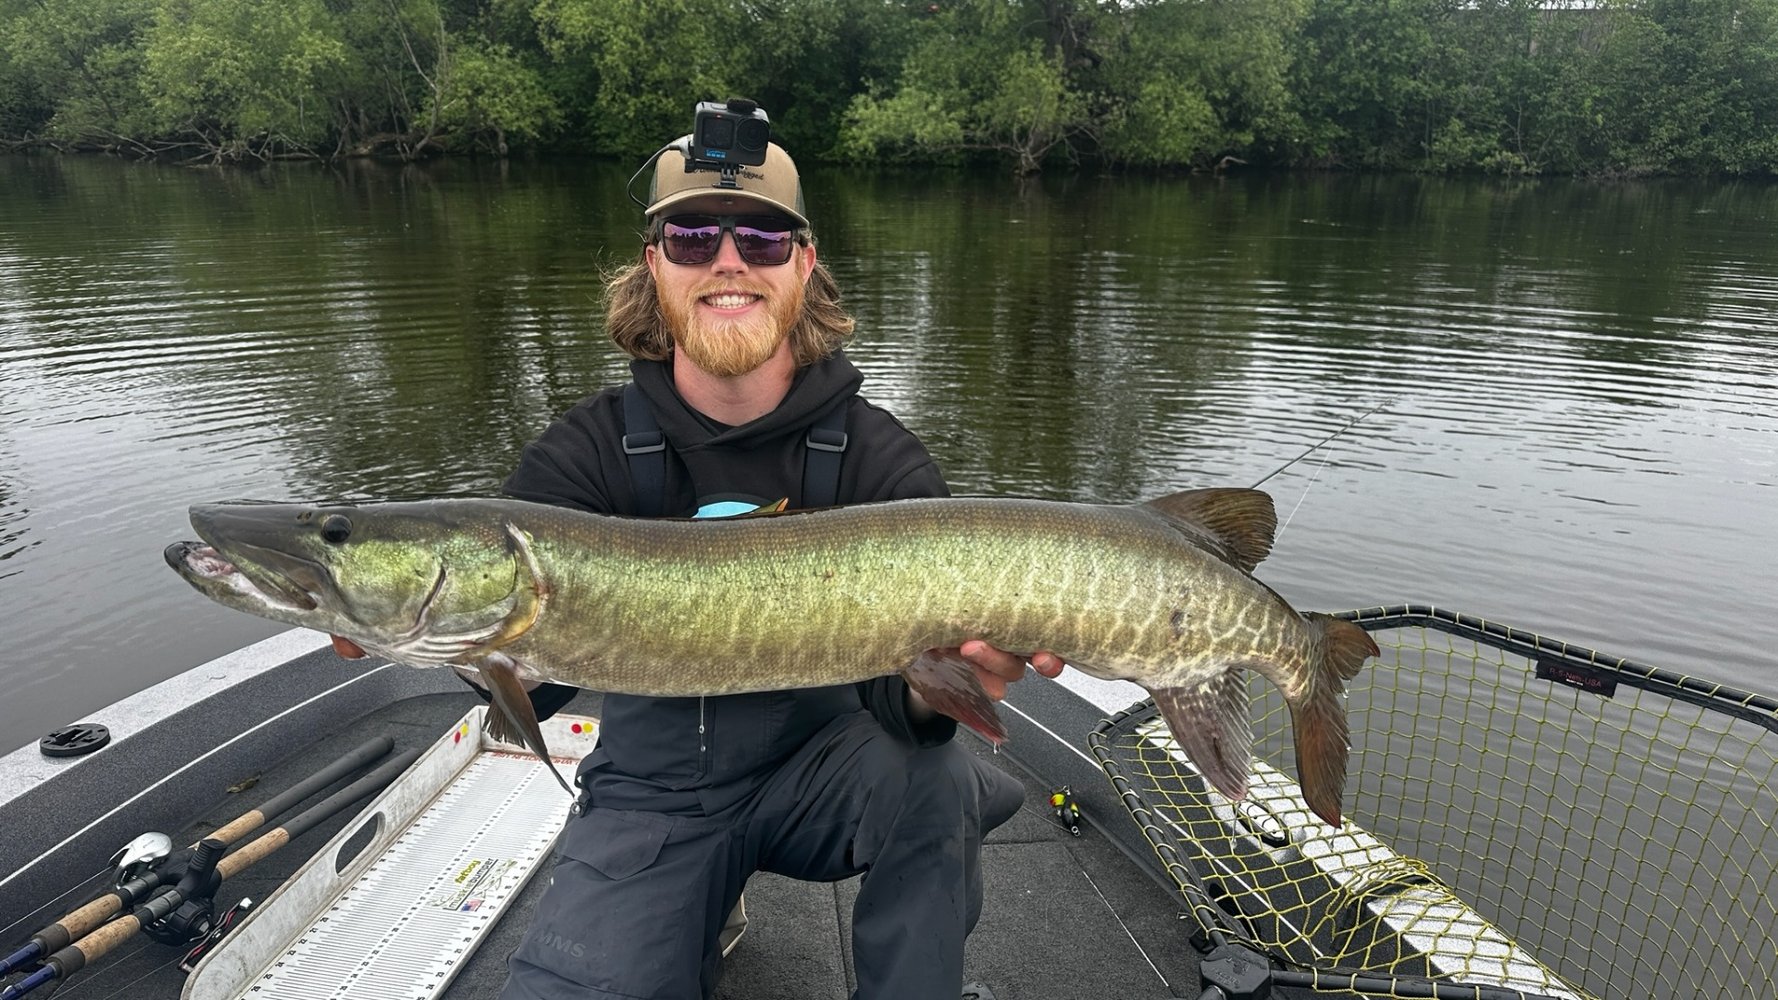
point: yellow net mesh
(1502, 829)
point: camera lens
(753, 134)
(717, 133)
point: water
(1579, 383)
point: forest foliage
(1601, 87)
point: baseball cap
(773, 183)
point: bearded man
(741, 397)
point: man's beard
(728, 348)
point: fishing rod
(139, 868)
(1311, 449)
(206, 872)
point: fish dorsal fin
(1231, 523)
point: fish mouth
(210, 570)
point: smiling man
(741, 397)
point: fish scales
(1159, 593)
(795, 600)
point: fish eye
(336, 528)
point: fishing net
(1520, 813)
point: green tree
(1188, 83)
(981, 77)
(650, 62)
(489, 96)
(243, 78)
(1360, 73)
(1707, 99)
(79, 61)
(805, 60)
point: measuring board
(450, 844)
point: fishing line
(52, 905)
(125, 989)
(1304, 496)
(188, 765)
(1311, 449)
(1348, 425)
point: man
(741, 398)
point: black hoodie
(703, 754)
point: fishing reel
(140, 856)
(195, 916)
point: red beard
(728, 348)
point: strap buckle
(644, 443)
(823, 439)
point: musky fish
(1159, 593)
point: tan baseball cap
(773, 183)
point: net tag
(1576, 675)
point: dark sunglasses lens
(690, 244)
(764, 246)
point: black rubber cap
(1240, 973)
(72, 741)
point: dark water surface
(1580, 382)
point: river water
(1578, 432)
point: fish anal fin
(512, 718)
(947, 682)
(1234, 524)
(1209, 719)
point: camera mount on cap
(726, 137)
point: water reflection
(1579, 382)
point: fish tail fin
(947, 682)
(1318, 719)
(513, 719)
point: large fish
(1159, 593)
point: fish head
(424, 583)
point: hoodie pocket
(616, 843)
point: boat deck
(1064, 916)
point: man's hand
(996, 668)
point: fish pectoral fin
(1233, 524)
(948, 683)
(513, 718)
(1209, 720)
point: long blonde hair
(637, 326)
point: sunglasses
(759, 239)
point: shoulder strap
(824, 447)
(646, 448)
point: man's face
(729, 316)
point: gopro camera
(731, 134)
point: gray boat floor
(1064, 916)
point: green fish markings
(1159, 593)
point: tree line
(1598, 87)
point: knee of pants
(951, 779)
(1002, 798)
(631, 911)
